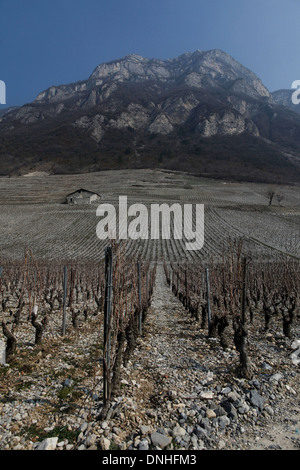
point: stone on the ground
(160, 440)
(48, 444)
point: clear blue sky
(44, 43)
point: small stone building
(82, 196)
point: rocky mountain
(6, 110)
(202, 112)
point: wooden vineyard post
(208, 299)
(1, 272)
(240, 330)
(243, 297)
(147, 284)
(140, 298)
(65, 300)
(107, 325)
(185, 287)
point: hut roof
(82, 190)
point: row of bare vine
(241, 292)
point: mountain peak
(200, 68)
(135, 58)
(190, 112)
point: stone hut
(82, 196)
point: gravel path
(184, 386)
(180, 390)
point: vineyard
(34, 215)
(241, 289)
(142, 345)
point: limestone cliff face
(159, 113)
(161, 106)
(179, 101)
(199, 70)
(226, 123)
(132, 67)
(94, 125)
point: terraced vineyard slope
(34, 215)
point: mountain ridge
(202, 112)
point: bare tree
(271, 194)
